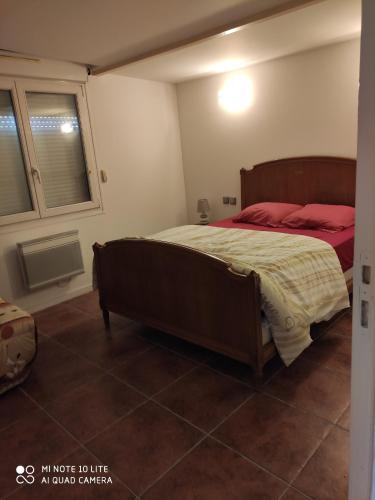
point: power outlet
(233, 200)
(226, 200)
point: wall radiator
(51, 259)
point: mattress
(342, 241)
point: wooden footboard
(183, 292)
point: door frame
(363, 340)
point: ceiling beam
(212, 33)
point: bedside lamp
(203, 207)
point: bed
(197, 296)
(341, 241)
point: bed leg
(105, 314)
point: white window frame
(9, 84)
(18, 88)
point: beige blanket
(301, 277)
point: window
(47, 164)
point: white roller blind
(58, 146)
(14, 190)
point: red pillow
(266, 213)
(326, 217)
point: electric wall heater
(51, 259)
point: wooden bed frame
(197, 297)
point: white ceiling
(313, 26)
(100, 32)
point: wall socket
(229, 200)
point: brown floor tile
(85, 411)
(54, 319)
(116, 320)
(153, 370)
(332, 350)
(313, 388)
(204, 397)
(56, 371)
(213, 472)
(42, 337)
(325, 476)
(104, 348)
(292, 494)
(14, 405)
(273, 434)
(143, 445)
(88, 303)
(114, 491)
(344, 420)
(115, 348)
(31, 441)
(343, 325)
(243, 372)
(80, 335)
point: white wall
(137, 142)
(304, 104)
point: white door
(361, 481)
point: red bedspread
(342, 241)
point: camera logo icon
(25, 474)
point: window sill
(16, 227)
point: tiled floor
(173, 421)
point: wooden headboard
(310, 179)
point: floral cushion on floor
(17, 345)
